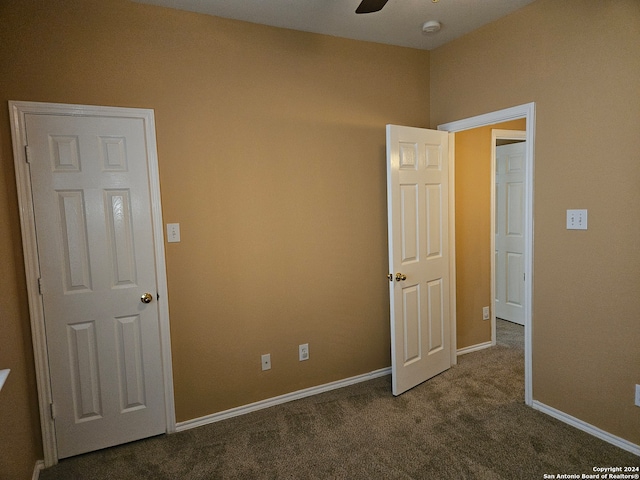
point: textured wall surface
(585, 82)
(271, 148)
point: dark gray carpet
(467, 423)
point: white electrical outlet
(303, 352)
(485, 313)
(173, 232)
(576, 219)
(637, 395)
(266, 361)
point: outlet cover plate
(266, 361)
(576, 219)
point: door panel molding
(528, 112)
(18, 110)
(418, 236)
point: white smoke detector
(432, 26)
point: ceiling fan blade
(370, 6)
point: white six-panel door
(417, 196)
(509, 232)
(91, 201)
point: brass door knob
(146, 298)
(400, 276)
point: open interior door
(509, 231)
(417, 199)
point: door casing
(526, 111)
(17, 111)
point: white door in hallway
(418, 216)
(509, 234)
(92, 207)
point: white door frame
(497, 134)
(528, 112)
(17, 111)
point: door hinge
(27, 153)
(52, 411)
(40, 285)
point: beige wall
(580, 62)
(271, 149)
(473, 231)
(19, 427)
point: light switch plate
(576, 219)
(173, 232)
(303, 352)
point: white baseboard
(586, 427)
(37, 469)
(474, 348)
(288, 397)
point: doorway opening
(526, 112)
(507, 224)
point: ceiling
(398, 23)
